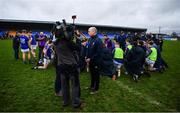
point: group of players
(28, 44)
(137, 53)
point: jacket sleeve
(149, 52)
(97, 53)
(74, 46)
(88, 49)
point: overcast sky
(131, 13)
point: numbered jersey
(49, 51)
(24, 42)
(33, 40)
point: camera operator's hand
(77, 34)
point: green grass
(23, 89)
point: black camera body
(63, 31)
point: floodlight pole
(159, 29)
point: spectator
(16, 43)
(41, 42)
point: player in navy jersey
(24, 44)
(33, 45)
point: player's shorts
(117, 64)
(46, 60)
(150, 62)
(33, 46)
(25, 50)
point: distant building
(46, 26)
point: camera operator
(67, 48)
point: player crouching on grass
(48, 55)
(24, 44)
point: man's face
(23, 33)
(105, 37)
(91, 32)
(18, 34)
(29, 34)
(41, 33)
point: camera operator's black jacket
(67, 52)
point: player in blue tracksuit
(24, 44)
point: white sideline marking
(145, 97)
